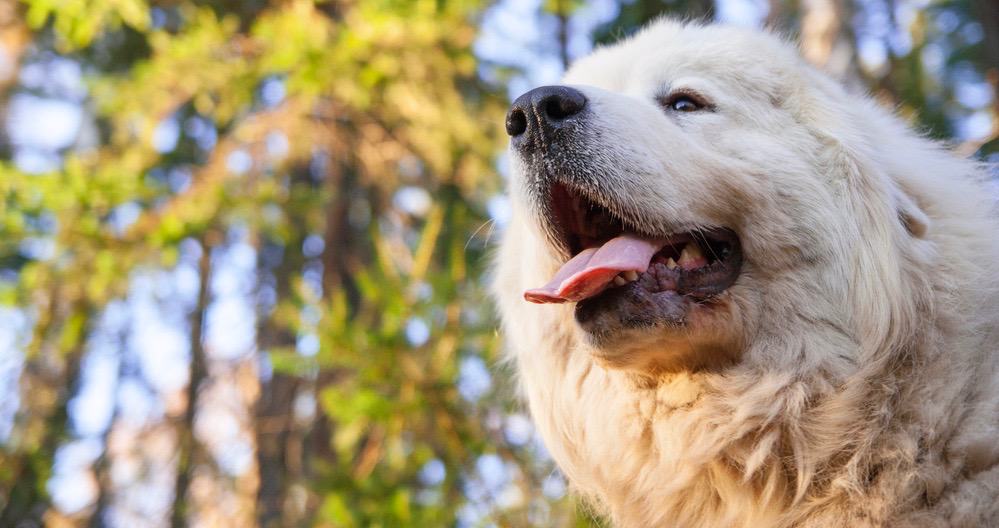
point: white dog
(758, 300)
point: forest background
(244, 245)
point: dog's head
(696, 189)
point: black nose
(543, 108)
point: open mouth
(608, 254)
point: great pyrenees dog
(738, 295)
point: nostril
(559, 107)
(516, 122)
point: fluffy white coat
(849, 378)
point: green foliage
(78, 22)
(379, 96)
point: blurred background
(244, 245)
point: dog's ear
(892, 197)
(911, 214)
(850, 150)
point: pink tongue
(591, 271)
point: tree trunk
(827, 41)
(987, 12)
(13, 41)
(279, 458)
(274, 423)
(188, 450)
(562, 13)
(46, 391)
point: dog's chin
(632, 308)
(649, 332)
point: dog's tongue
(593, 269)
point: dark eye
(682, 102)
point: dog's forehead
(667, 51)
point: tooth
(671, 264)
(631, 275)
(619, 280)
(690, 254)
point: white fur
(849, 377)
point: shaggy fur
(849, 378)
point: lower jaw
(666, 351)
(629, 328)
(659, 296)
(631, 306)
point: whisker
(472, 236)
(489, 234)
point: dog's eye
(683, 102)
